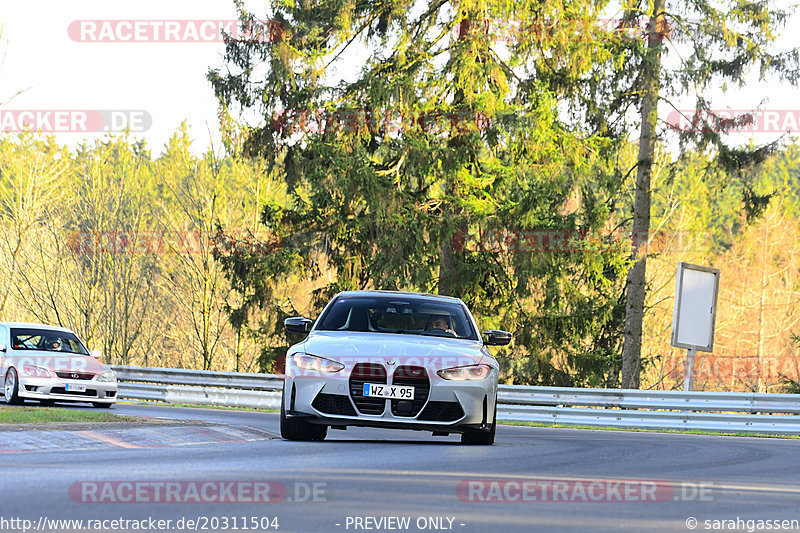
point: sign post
(688, 372)
(694, 314)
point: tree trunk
(446, 258)
(761, 304)
(634, 306)
(445, 268)
(446, 262)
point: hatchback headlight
(312, 362)
(108, 376)
(463, 373)
(35, 371)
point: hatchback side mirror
(97, 354)
(496, 337)
(297, 324)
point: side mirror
(496, 337)
(97, 354)
(297, 324)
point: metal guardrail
(746, 402)
(621, 408)
(228, 389)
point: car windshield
(47, 340)
(396, 314)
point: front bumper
(450, 406)
(57, 389)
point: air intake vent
(333, 404)
(442, 412)
(367, 373)
(417, 377)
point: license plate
(395, 392)
(75, 388)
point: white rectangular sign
(695, 308)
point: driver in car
(54, 344)
(439, 322)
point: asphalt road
(357, 479)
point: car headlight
(463, 373)
(108, 376)
(35, 371)
(312, 362)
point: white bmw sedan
(50, 364)
(392, 360)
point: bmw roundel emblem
(391, 363)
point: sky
(54, 62)
(166, 80)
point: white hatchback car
(50, 364)
(392, 360)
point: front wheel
(481, 437)
(292, 429)
(11, 389)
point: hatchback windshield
(396, 314)
(47, 340)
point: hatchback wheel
(11, 389)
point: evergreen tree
(445, 135)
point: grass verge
(531, 424)
(206, 406)
(44, 415)
(644, 430)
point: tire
(11, 388)
(102, 405)
(300, 429)
(485, 438)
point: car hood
(433, 352)
(55, 361)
